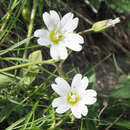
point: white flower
(75, 97)
(60, 34)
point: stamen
(56, 36)
(73, 98)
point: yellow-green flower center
(73, 98)
(56, 36)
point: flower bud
(101, 25)
(26, 13)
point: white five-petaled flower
(59, 34)
(75, 97)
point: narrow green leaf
(28, 117)
(15, 124)
(90, 125)
(124, 123)
(5, 80)
(6, 111)
(14, 46)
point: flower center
(56, 36)
(73, 98)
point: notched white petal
(43, 42)
(50, 22)
(84, 110)
(77, 38)
(89, 100)
(62, 108)
(63, 52)
(58, 90)
(76, 80)
(54, 52)
(75, 24)
(76, 112)
(47, 19)
(84, 83)
(74, 46)
(55, 17)
(41, 33)
(66, 19)
(62, 84)
(57, 102)
(91, 93)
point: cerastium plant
(60, 37)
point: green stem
(8, 15)
(86, 31)
(55, 125)
(30, 26)
(92, 68)
(51, 61)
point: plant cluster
(32, 75)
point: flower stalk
(30, 27)
(55, 125)
(51, 61)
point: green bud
(101, 25)
(26, 13)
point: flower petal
(57, 102)
(84, 110)
(51, 20)
(43, 37)
(63, 84)
(89, 97)
(76, 81)
(41, 33)
(47, 20)
(76, 111)
(55, 15)
(73, 41)
(62, 91)
(76, 38)
(62, 108)
(71, 25)
(74, 46)
(54, 52)
(44, 42)
(90, 93)
(62, 52)
(83, 84)
(88, 100)
(61, 87)
(66, 19)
